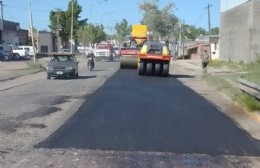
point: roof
(11, 26)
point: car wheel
(16, 56)
(6, 58)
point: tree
(60, 21)
(59, 25)
(90, 34)
(77, 9)
(215, 31)
(161, 22)
(191, 32)
(122, 30)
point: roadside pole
(71, 28)
(208, 7)
(31, 26)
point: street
(140, 113)
(115, 118)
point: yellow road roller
(130, 50)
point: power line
(200, 18)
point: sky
(109, 12)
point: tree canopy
(161, 22)
(90, 34)
(60, 21)
(122, 30)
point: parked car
(7, 51)
(62, 65)
(19, 53)
(28, 48)
(3, 57)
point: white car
(28, 48)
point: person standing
(205, 61)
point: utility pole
(2, 12)
(58, 29)
(31, 25)
(183, 45)
(2, 22)
(180, 39)
(208, 7)
(71, 29)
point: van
(28, 48)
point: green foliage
(90, 34)
(60, 21)
(224, 64)
(225, 83)
(253, 71)
(248, 101)
(122, 30)
(161, 22)
(214, 31)
(191, 32)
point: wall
(239, 32)
(23, 37)
(228, 4)
(45, 43)
(10, 37)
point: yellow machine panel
(139, 31)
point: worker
(205, 60)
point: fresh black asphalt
(153, 114)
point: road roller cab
(154, 59)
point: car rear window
(61, 58)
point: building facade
(10, 33)
(239, 30)
(45, 42)
(23, 37)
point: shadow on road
(78, 78)
(181, 76)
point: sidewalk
(7, 74)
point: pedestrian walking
(205, 61)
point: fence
(250, 88)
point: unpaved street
(131, 121)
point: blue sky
(108, 12)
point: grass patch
(248, 101)
(30, 69)
(224, 64)
(253, 72)
(223, 84)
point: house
(239, 30)
(214, 44)
(10, 33)
(193, 49)
(45, 42)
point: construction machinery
(154, 59)
(129, 52)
